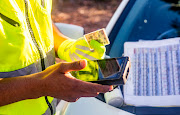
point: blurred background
(90, 14)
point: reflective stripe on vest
(33, 68)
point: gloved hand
(71, 50)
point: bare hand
(59, 83)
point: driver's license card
(98, 35)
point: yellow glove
(71, 50)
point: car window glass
(152, 19)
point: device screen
(108, 67)
(104, 69)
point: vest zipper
(32, 35)
(38, 47)
(43, 3)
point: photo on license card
(99, 35)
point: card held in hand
(98, 35)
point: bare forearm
(20, 88)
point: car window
(156, 20)
(149, 20)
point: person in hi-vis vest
(29, 78)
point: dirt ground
(90, 14)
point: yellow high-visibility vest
(26, 47)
